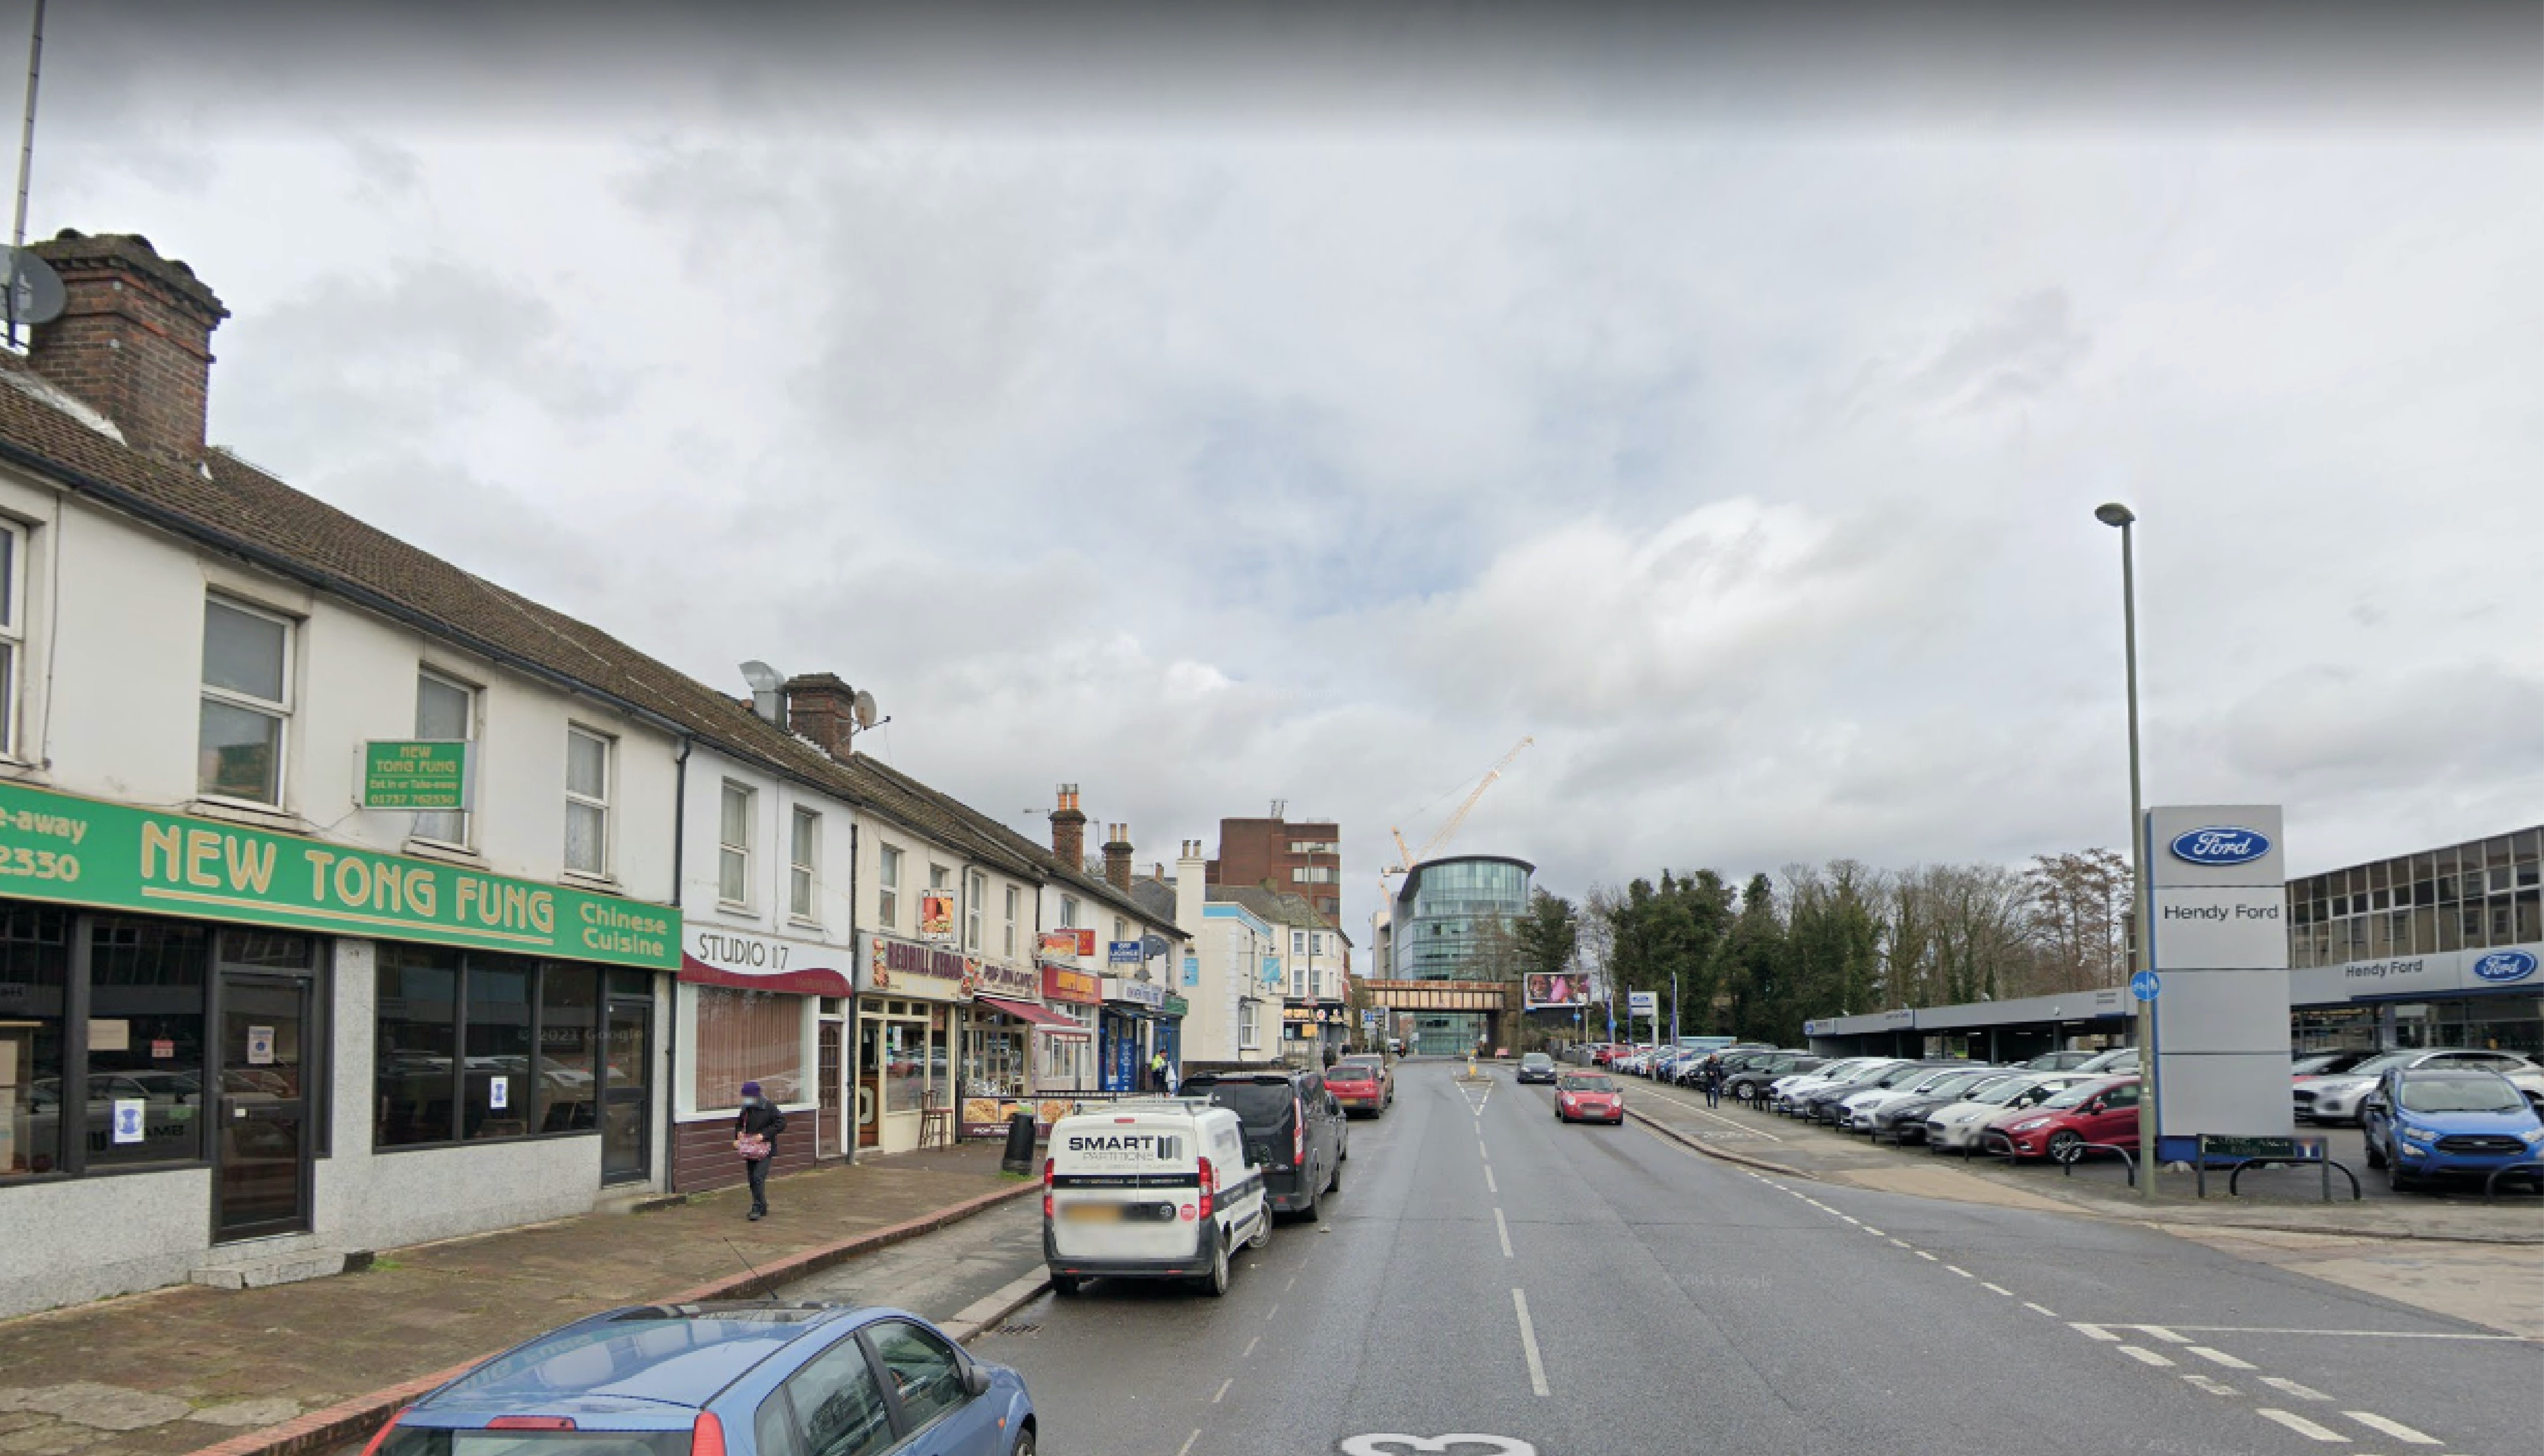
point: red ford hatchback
(1585, 1097)
(2103, 1110)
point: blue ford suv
(744, 1379)
(2424, 1121)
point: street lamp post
(2116, 514)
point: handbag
(750, 1145)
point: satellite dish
(35, 293)
(863, 707)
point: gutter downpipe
(848, 1055)
(670, 1036)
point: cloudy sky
(1281, 408)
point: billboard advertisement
(1554, 990)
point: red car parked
(1362, 1084)
(1585, 1097)
(2103, 1110)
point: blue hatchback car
(744, 1379)
(2422, 1121)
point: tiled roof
(233, 506)
(1277, 906)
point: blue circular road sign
(2144, 986)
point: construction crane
(1407, 856)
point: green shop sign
(1176, 1005)
(84, 851)
(414, 773)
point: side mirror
(976, 1381)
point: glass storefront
(2470, 896)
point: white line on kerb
(2145, 1357)
(2285, 1385)
(1187, 1448)
(1528, 1342)
(2395, 1428)
(2220, 1357)
(1488, 1182)
(2300, 1424)
(1223, 1390)
(1501, 1226)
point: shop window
(733, 845)
(887, 890)
(568, 1071)
(12, 628)
(246, 703)
(587, 802)
(444, 710)
(975, 890)
(495, 1088)
(803, 864)
(747, 1036)
(415, 1052)
(35, 975)
(146, 1038)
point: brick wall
(135, 338)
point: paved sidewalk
(185, 1368)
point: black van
(1294, 1128)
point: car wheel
(1066, 1285)
(2375, 1155)
(1262, 1232)
(1334, 1185)
(2394, 1178)
(1312, 1213)
(2066, 1145)
(1024, 1446)
(1215, 1283)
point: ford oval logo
(2221, 845)
(2505, 965)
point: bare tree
(2079, 916)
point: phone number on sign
(40, 864)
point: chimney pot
(135, 338)
(1069, 829)
(821, 708)
(1116, 857)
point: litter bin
(1018, 1157)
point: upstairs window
(803, 864)
(444, 711)
(888, 890)
(587, 802)
(1069, 912)
(733, 845)
(12, 628)
(976, 888)
(246, 703)
(1011, 921)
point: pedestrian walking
(1712, 1081)
(754, 1135)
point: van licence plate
(1091, 1213)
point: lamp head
(2113, 515)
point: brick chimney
(135, 338)
(822, 709)
(1116, 857)
(1069, 829)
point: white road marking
(2363, 1334)
(1728, 1122)
(1250, 1346)
(2040, 1309)
(2220, 1357)
(1274, 1309)
(1876, 1233)
(1292, 1284)
(1501, 1226)
(1965, 1274)
(2095, 1331)
(1851, 1218)
(1921, 1254)
(2286, 1385)
(1489, 1185)
(2395, 1428)
(1902, 1243)
(2301, 1425)
(2167, 1336)
(2213, 1387)
(1186, 1447)
(1223, 1390)
(1528, 1342)
(1996, 1288)
(2145, 1357)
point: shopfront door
(627, 1091)
(262, 1185)
(869, 1083)
(832, 1077)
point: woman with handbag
(754, 1137)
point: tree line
(1840, 939)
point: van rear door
(1126, 1186)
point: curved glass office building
(1439, 909)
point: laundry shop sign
(73, 851)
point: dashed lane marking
(1274, 1309)
(1528, 1342)
(2164, 1334)
(1876, 1233)
(2395, 1428)
(2219, 1357)
(2212, 1386)
(1996, 1288)
(1501, 1226)
(1489, 1185)
(1965, 1274)
(2094, 1331)
(1187, 1448)
(1292, 1284)
(2146, 1356)
(2300, 1424)
(1921, 1254)
(1250, 1346)
(1223, 1390)
(2040, 1309)
(1902, 1243)
(2285, 1385)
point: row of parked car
(2424, 1112)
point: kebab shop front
(911, 1000)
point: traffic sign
(2144, 986)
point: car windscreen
(1537, 1059)
(1998, 1093)
(1257, 1105)
(1584, 1084)
(1958, 1083)
(2459, 1095)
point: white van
(1150, 1189)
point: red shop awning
(809, 982)
(1026, 1010)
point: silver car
(2336, 1098)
